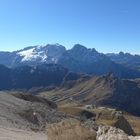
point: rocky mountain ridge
(27, 77)
(78, 59)
(126, 59)
(107, 90)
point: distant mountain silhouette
(126, 59)
(78, 59)
(26, 77)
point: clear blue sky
(107, 25)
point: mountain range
(126, 59)
(79, 59)
(107, 90)
(87, 76)
(55, 93)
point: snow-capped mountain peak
(49, 53)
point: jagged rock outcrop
(112, 133)
(123, 124)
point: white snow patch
(27, 54)
(32, 54)
(49, 53)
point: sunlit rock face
(112, 133)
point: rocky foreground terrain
(24, 116)
(111, 133)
